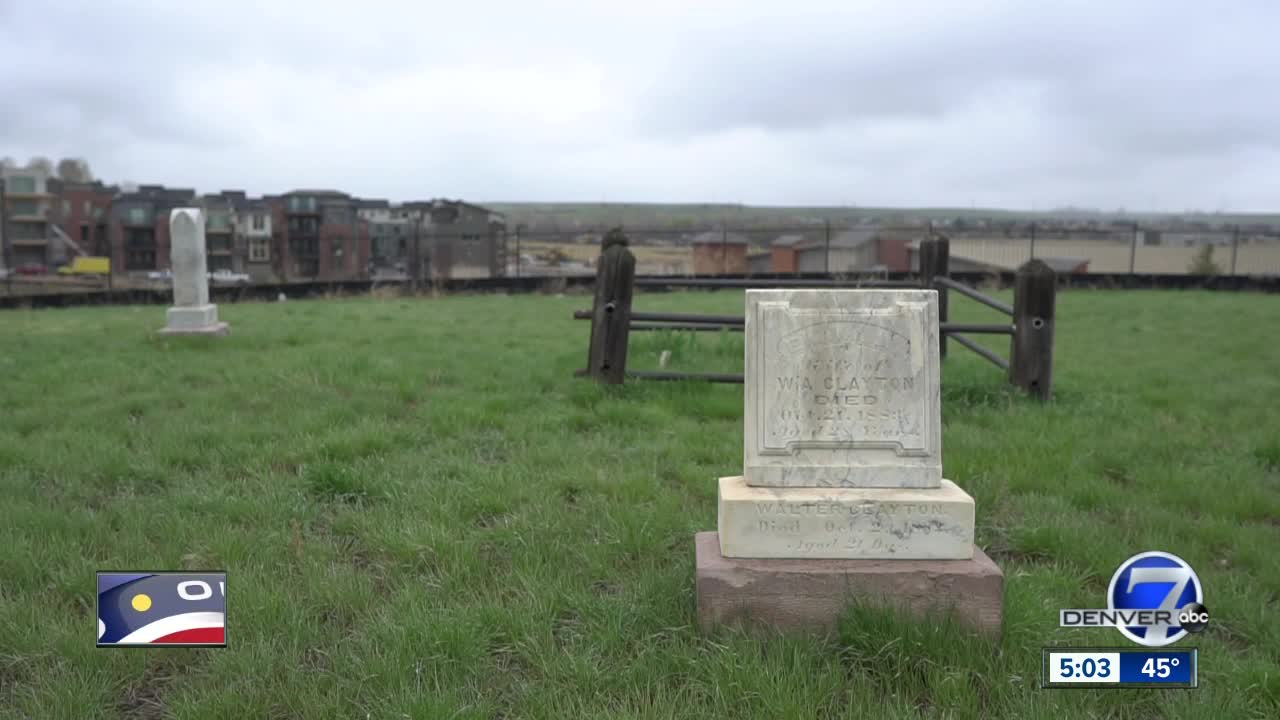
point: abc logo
(1194, 617)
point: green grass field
(423, 514)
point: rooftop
(717, 237)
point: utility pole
(826, 256)
(4, 239)
(519, 227)
(724, 246)
(1235, 247)
(416, 270)
(1133, 249)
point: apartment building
(461, 239)
(392, 230)
(139, 226)
(28, 210)
(323, 237)
(256, 232)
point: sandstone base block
(879, 523)
(811, 595)
(194, 320)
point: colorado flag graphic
(171, 609)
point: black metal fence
(1029, 367)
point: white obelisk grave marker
(842, 492)
(192, 313)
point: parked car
(160, 275)
(227, 276)
(32, 269)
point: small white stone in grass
(664, 359)
(280, 297)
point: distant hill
(677, 217)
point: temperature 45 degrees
(1159, 667)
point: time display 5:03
(1084, 667)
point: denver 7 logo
(1155, 581)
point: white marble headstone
(842, 389)
(187, 256)
(192, 313)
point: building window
(140, 238)
(140, 260)
(84, 236)
(66, 208)
(259, 222)
(336, 247)
(138, 216)
(302, 226)
(259, 250)
(21, 184)
(88, 207)
(24, 207)
(304, 247)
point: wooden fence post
(611, 310)
(935, 260)
(1031, 352)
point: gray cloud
(1005, 103)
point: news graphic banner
(1119, 668)
(162, 609)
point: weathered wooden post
(935, 259)
(611, 310)
(1031, 352)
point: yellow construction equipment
(87, 266)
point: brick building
(719, 253)
(323, 238)
(84, 216)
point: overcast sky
(1166, 105)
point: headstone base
(811, 595)
(194, 320)
(220, 329)
(845, 523)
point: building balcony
(23, 215)
(12, 194)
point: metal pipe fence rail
(612, 320)
(747, 283)
(974, 294)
